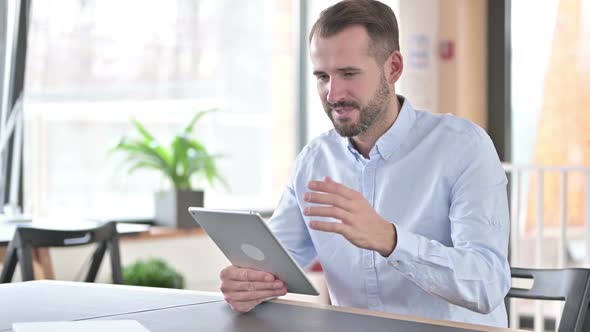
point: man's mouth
(343, 112)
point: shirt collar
(394, 136)
(389, 142)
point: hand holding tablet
(262, 267)
(245, 288)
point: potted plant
(183, 161)
(153, 272)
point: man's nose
(335, 91)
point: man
(406, 210)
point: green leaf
(194, 144)
(142, 165)
(183, 160)
(144, 132)
(189, 128)
(141, 151)
(179, 155)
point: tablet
(245, 239)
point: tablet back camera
(252, 252)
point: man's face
(351, 84)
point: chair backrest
(569, 285)
(26, 238)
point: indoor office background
(92, 65)
(517, 68)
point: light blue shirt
(439, 180)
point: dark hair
(376, 17)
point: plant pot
(172, 207)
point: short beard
(369, 115)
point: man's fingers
(328, 199)
(249, 286)
(242, 274)
(327, 211)
(332, 187)
(245, 288)
(243, 307)
(332, 227)
(253, 296)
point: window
(550, 101)
(93, 64)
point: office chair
(569, 285)
(26, 238)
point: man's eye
(349, 74)
(322, 77)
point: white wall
(457, 85)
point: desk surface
(174, 310)
(49, 300)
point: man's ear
(394, 66)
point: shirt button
(395, 263)
(368, 263)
